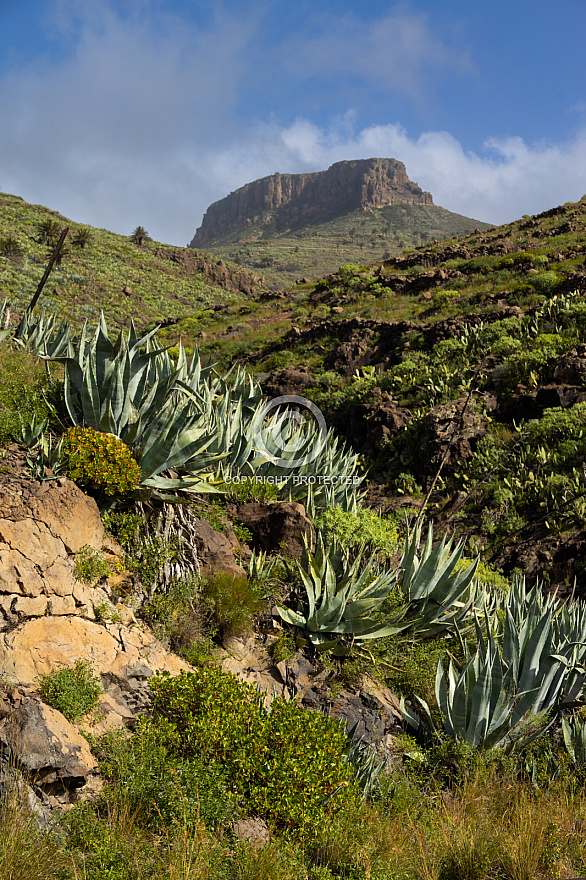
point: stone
(111, 713)
(70, 514)
(62, 605)
(47, 744)
(18, 574)
(214, 550)
(34, 540)
(43, 644)
(277, 525)
(249, 660)
(453, 428)
(59, 578)
(12, 784)
(29, 607)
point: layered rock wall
(290, 199)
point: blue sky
(127, 112)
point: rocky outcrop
(42, 527)
(290, 199)
(217, 272)
(449, 434)
(371, 425)
(42, 644)
(46, 744)
(282, 525)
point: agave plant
(342, 598)
(575, 741)
(523, 677)
(439, 594)
(42, 335)
(479, 704)
(308, 465)
(134, 391)
(535, 626)
(368, 768)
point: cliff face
(288, 199)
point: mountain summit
(288, 200)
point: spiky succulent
(439, 593)
(531, 669)
(186, 417)
(342, 599)
(43, 335)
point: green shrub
(73, 690)
(287, 762)
(90, 565)
(124, 526)
(361, 526)
(178, 616)
(233, 602)
(100, 461)
(21, 391)
(545, 282)
(157, 784)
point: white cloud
(110, 135)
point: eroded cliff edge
(284, 200)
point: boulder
(42, 526)
(372, 425)
(214, 550)
(290, 381)
(277, 525)
(62, 508)
(451, 428)
(47, 744)
(254, 830)
(249, 660)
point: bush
(21, 391)
(73, 690)
(287, 762)
(90, 565)
(157, 784)
(101, 461)
(362, 526)
(233, 602)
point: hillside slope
(152, 283)
(315, 249)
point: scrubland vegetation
(486, 779)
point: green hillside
(285, 255)
(150, 282)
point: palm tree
(140, 235)
(48, 232)
(82, 237)
(10, 248)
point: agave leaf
(289, 616)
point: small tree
(48, 232)
(10, 248)
(140, 235)
(82, 237)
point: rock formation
(291, 199)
